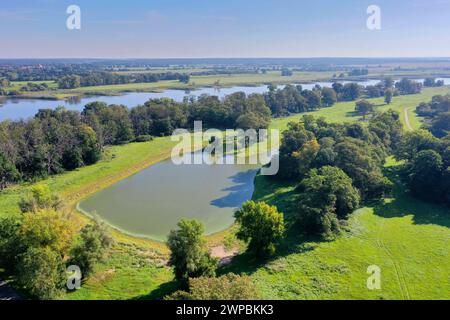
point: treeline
(437, 115)
(336, 166)
(58, 140)
(51, 142)
(43, 72)
(6, 90)
(295, 99)
(426, 168)
(426, 153)
(432, 82)
(106, 78)
(358, 72)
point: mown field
(408, 239)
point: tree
(298, 150)
(416, 141)
(362, 163)
(286, 72)
(388, 94)
(10, 245)
(426, 175)
(364, 107)
(189, 255)
(93, 244)
(69, 82)
(226, 287)
(440, 125)
(39, 197)
(8, 172)
(251, 120)
(338, 88)
(351, 92)
(406, 86)
(313, 99)
(46, 228)
(388, 82)
(327, 195)
(429, 82)
(42, 272)
(91, 150)
(261, 226)
(329, 97)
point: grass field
(344, 111)
(253, 79)
(19, 84)
(406, 238)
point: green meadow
(408, 239)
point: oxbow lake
(150, 203)
(15, 109)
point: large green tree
(327, 195)
(189, 255)
(261, 225)
(41, 271)
(8, 172)
(364, 107)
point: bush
(92, 246)
(227, 287)
(143, 138)
(40, 197)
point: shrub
(40, 197)
(227, 287)
(143, 138)
(92, 246)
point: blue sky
(224, 28)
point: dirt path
(224, 255)
(408, 124)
